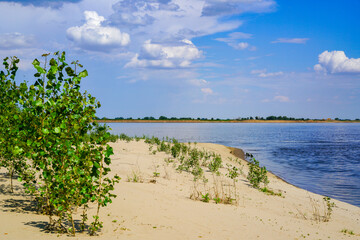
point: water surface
(320, 157)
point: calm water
(322, 157)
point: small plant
(156, 174)
(168, 160)
(95, 226)
(217, 200)
(206, 198)
(136, 177)
(228, 200)
(233, 173)
(257, 174)
(328, 209)
(215, 165)
(347, 231)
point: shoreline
(239, 153)
(224, 121)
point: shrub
(257, 174)
(70, 165)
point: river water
(320, 157)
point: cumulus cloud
(291, 40)
(207, 91)
(263, 73)
(165, 55)
(93, 36)
(136, 12)
(16, 40)
(230, 7)
(164, 20)
(337, 62)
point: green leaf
(39, 69)
(107, 160)
(57, 130)
(96, 164)
(17, 150)
(53, 69)
(45, 131)
(36, 62)
(53, 62)
(38, 102)
(69, 71)
(83, 74)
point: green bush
(53, 143)
(257, 174)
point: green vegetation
(45, 141)
(239, 119)
(320, 212)
(257, 175)
(186, 157)
(328, 209)
(206, 198)
(347, 231)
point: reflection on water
(322, 157)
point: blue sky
(199, 58)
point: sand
(164, 210)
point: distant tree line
(269, 118)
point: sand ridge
(159, 207)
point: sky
(198, 58)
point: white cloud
(16, 40)
(337, 62)
(165, 20)
(282, 99)
(93, 36)
(241, 45)
(232, 41)
(291, 40)
(263, 73)
(207, 91)
(273, 74)
(137, 13)
(165, 55)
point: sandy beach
(155, 201)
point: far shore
(221, 121)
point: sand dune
(160, 207)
